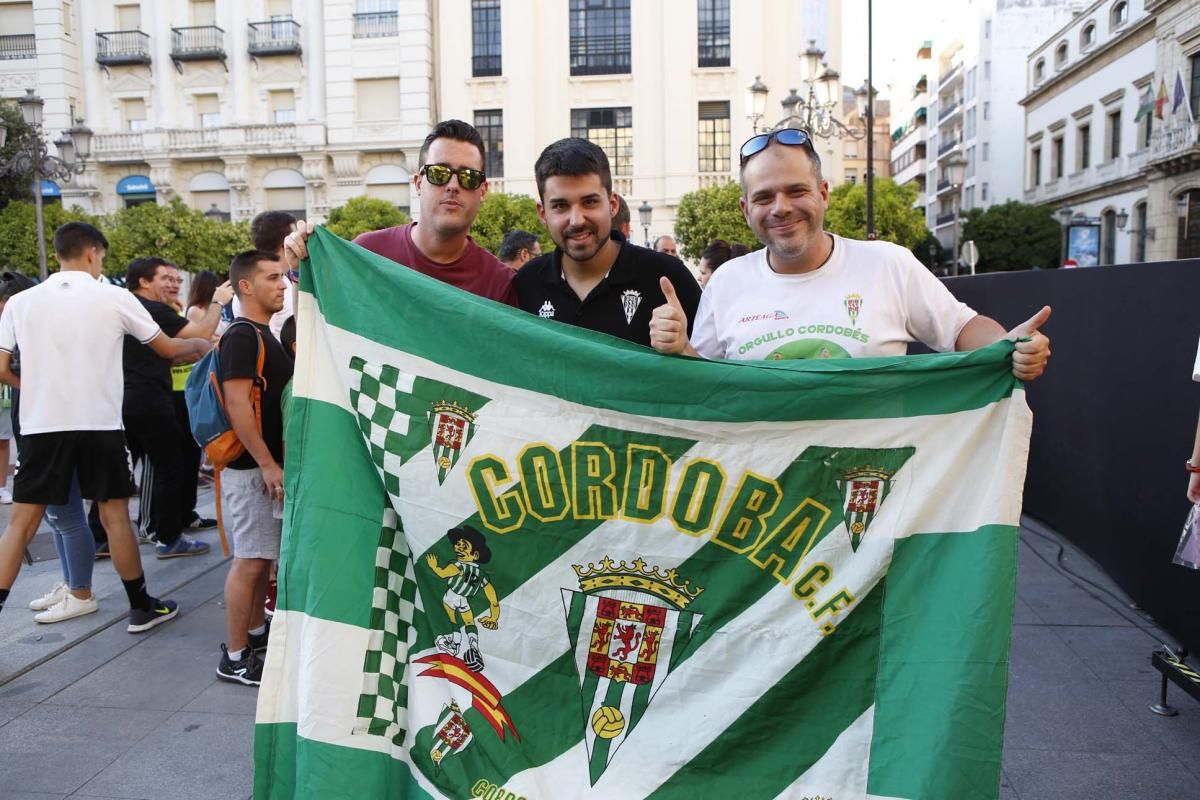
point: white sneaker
(50, 598)
(5, 496)
(67, 608)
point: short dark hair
(514, 242)
(659, 238)
(245, 264)
(287, 335)
(269, 229)
(717, 253)
(457, 130)
(144, 269)
(622, 217)
(574, 157)
(72, 238)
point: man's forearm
(204, 327)
(11, 378)
(245, 426)
(979, 332)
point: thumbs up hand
(668, 323)
(1030, 358)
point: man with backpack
(254, 369)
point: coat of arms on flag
(628, 627)
(451, 734)
(864, 489)
(453, 427)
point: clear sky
(899, 27)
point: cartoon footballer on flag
(526, 560)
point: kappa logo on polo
(630, 300)
(547, 310)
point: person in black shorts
(595, 279)
(69, 329)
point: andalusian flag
(526, 560)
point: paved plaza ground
(89, 711)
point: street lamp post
(645, 210)
(33, 158)
(956, 167)
(1064, 216)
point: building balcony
(198, 43)
(950, 77)
(377, 25)
(946, 147)
(945, 112)
(1170, 143)
(707, 179)
(202, 143)
(274, 38)
(122, 48)
(946, 219)
(18, 45)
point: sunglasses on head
(793, 137)
(439, 175)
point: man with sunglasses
(813, 294)
(451, 185)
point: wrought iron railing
(197, 41)
(274, 36)
(123, 47)
(17, 45)
(376, 24)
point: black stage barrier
(1114, 418)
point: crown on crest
(451, 407)
(869, 472)
(640, 576)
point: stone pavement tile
(1112, 653)
(1023, 614)
(31, 795)
(165, 678)
(69, 666)
(1085, 716)
(1065, 775)
(59, 748)
(1007, 792)
(197, 757)
(13, 707)
(1039, 655)
(1179, 734)
(225, 698)
(1062, 603)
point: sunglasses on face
(439, 175)
(793, 137)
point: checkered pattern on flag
(603, 572)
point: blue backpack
(206, 404)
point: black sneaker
(258, 642)
(200, 524)
(160, 611)
(246, 670)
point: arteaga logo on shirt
(775, 315)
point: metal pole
(41, 223)
(870, 134)
(1063, 260)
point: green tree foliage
(362, 215)
(175, 232)
(895, 218)
(1014, 236)
(500, 213)
(13, 187)
(711, 213)
(18, 234)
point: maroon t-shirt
(478, 271)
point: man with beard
(595, 279)
(810, 293)
(451, 185)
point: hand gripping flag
(522, 560)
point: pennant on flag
(1181, 98)
(521, 559)
(1163, 97)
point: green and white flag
(526, 560)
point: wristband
(1190, 467)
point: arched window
(1039, 71)
(1060, 55)
(389, 182)
(285, 191)
(1119, 15)
(210, 189)
(1087, 36)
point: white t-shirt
(278, 318)
(70, 330)
(869, 299)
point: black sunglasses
(439, 175)
(789, 136)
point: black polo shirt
(621, 304)
(147, 374)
